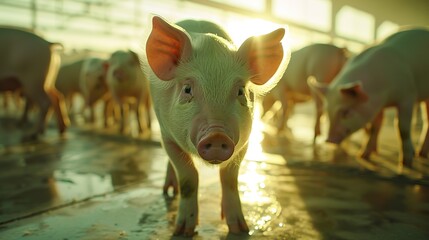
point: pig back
(413, 47)
(323, 61)
(25, 57)
(201, 26)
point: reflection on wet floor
(96, 184)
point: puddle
(72, 186)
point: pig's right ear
(166, 47)
(320, 88)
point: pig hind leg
(424, 150)
(405, 113)
(58, 104)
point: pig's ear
(166, 46)
(264, 55)
(318, 87)
(135, 57)
(354, 91)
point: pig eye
(187, 89)
(241, 91)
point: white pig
(126, 80)
(31, 63)
(392, 73)
(86, 77)
(322, 61)
(202, 89)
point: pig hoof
(238, 228)
(407, 163)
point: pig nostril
(224, 146)
(208, 146)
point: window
(385, 29)
(312, 13)
(355, 24)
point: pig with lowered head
(203, 91)
(394, 73)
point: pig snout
(215, 147)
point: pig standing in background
(126, 80)
(202, 88)
(86, 77)
(321, 61)
(393, 73)
(31, 63)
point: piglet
(392, 73)
(31, 63)
(203, 92)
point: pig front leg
(187, 176)
(424, 150)
(373, 133)
(231, 205)
(405, 113)
(139, 115)
(319, 112)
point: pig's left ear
(354, 91)
(264, 55)
(166, 46)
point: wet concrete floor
(93, 183)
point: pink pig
(321, 61)
(202, 88)
(392, 73)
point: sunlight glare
(242, 28)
